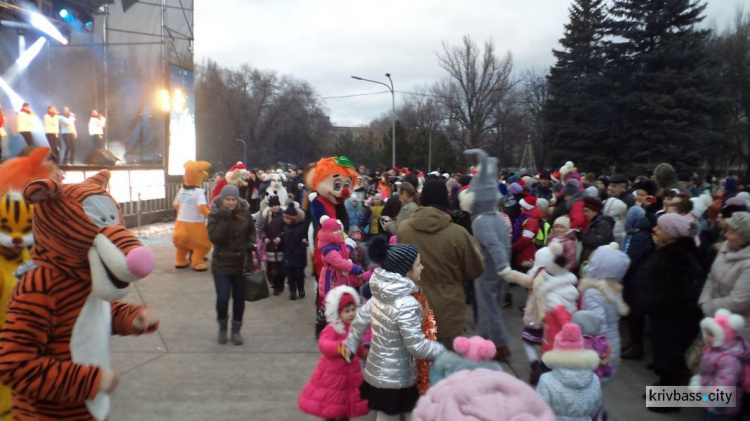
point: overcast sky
(324, 42)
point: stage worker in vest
(52, 129)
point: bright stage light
(41, 23)
(64, 13)
(178, 101)
(15, 99)
(25, 59)
(166, 104)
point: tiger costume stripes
(62, 313)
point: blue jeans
(227, 285)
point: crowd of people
(662, 257)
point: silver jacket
(397, 339)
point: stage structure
(130, 60)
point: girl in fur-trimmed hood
(333, 389)
(601, 292)
(571, 389)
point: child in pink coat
(333, 389)
(337, 266)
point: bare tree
(534, 95)
(477, 82)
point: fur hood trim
(610, 289)
(576, 360)
(553, 282)
(333, 298)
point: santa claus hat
(238, 166)
(528, 202)
(723, 326)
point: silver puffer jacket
(397, 338)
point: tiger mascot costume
(54, 350)
(15, 233)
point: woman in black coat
(638, 246)
(673, 275)
(231, 230)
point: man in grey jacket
(481, 200)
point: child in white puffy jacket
(551, 302)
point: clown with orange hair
(331, 180)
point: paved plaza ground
(181, 373)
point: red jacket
(524, 248)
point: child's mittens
(367, 275)
(356, 270)
(515, 277)
(344, 352)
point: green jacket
(450, 256)
(232, 238)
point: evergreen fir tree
(670, 106)
(577, 112)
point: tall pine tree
(669, 104)
(577, 112)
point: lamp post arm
(390, 88)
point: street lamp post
(393, 111)
(244, 150)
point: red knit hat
(592, 203)
(346, 299)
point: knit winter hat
(569, 338)
(435, 194)
(481, 394)
(229, 191)
(515, 188)
(740, 222)
(272, 201)
(674, 224)
(592, 203)
(290, 210)
(563, 221)
(615, 207)
(572, 187)
(588, 321)
(723, 326)
(398, 258)
(346, 299)
(528, 202)
(328, 224)
(377, 196)
(542, 204)
(592, 191)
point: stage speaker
(101, 157)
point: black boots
(236, 338)
(222, 339)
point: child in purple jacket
(723, 359)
